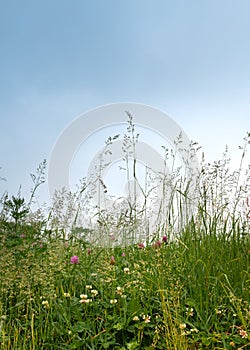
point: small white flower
(94, 292)
(119, 290)
(146, 318)
(135, 318)
(113, 301)
(85, 301)
(45, 303)
(243, 333)
(83, 296)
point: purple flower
(156, 244)
(74, 259)
(123, 254)
(141, 245)
(164, 239)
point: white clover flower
(94, 292)
(113, 301)
(85, 301)
(119, 290)
(89, 300)
(45, 303)
(83, 296)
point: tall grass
(183, 286)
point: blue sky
(61, 58)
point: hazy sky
(59, 58)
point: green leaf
(119, 326)
(80, 327)
(132, 345)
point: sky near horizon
(59, 59)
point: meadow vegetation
(183, 287)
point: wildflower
(190, 311)
(123, 254)
(94, 292)
(194, 330)
(88, 286)
(126, 269)
(140, 245)
(74, 259)
(85, 301)
(112, 260)
(164, 239)
(113, 301)
(183, 325)
(83, 296)
(232, 344)
(66, 295)
(135, 318)
(218, 312)
(22, 235)
(157, 244)
(45, 303)
(119, 290)
(243, 333)
(146, 318)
